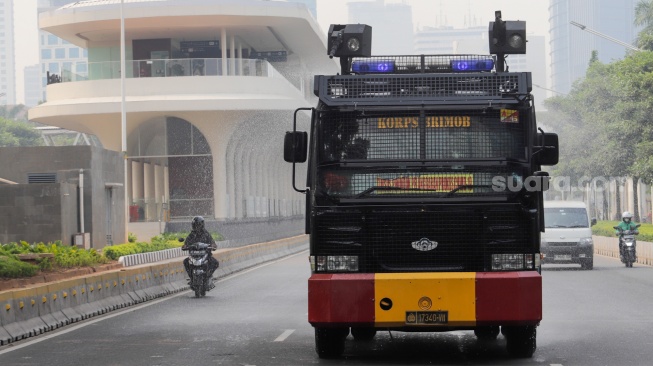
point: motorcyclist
(199, 234)
(626, 224)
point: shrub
(131, 237)
(10, 267)
(159, 242)
(605, 228)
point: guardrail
(32, 311)
(609, 246)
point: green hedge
(605, 228)
(65, 256)
(159, 242)
(11, 267)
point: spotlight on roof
(350, 40)
(507, 37)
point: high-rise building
(442, 40)
(7, 58)
(571, 48)
(32, 80)
(57, 56)
(392, 25)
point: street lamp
(123, 113)
(590, 30)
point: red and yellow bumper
(384, 300)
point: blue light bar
(373, 67)
(472, 65)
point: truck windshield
(565, 218)
(459, 135)
(452, 142)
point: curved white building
(210, 89)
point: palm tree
(644, 17)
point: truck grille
(385, 239)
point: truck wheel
(521, 342)
(329, 342)
(487, 333)
(587, 264)
(363, 334)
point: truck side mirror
(547, 151)
(593, 222)
(295, 147)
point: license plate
(562, 257)
(427, 317)
(197, 252)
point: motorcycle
(200, 281)
(628, 245)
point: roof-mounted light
(472, 65)
(373, 67)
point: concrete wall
(38, 212)
(100, 167)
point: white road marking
(556, 364)
(284, 335)
(18, 345)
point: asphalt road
(258, 317)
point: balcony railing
(82, 71)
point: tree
(644, 18)
(14, 133)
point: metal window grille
(466, 236)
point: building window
(73, 52)
(46, 54)
(81, 67)
(52, 40)
(44, 81)
(85, 53)
(53, 67)
(60, 53)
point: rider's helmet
(626, 216)
(198, 223)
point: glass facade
(571, 47)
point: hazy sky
(425, 13)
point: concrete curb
(29, 312)
(609, 247)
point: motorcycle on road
(199, 255)
(627, 245)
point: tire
(329, 342)
(487, 333)
(363, 334)
(521, 342)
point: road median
(41, 307)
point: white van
(567, 237)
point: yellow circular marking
(21, 304)
(122, 282)
(74, 292)
(7, 307)
(424, 303)
(65, 295)
(54, 297)
(92, 288)
(44, 299)
(83, 290)
(32, 302)
(115, 283)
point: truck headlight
(585, 242)
(512, 262)
(335, 263)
